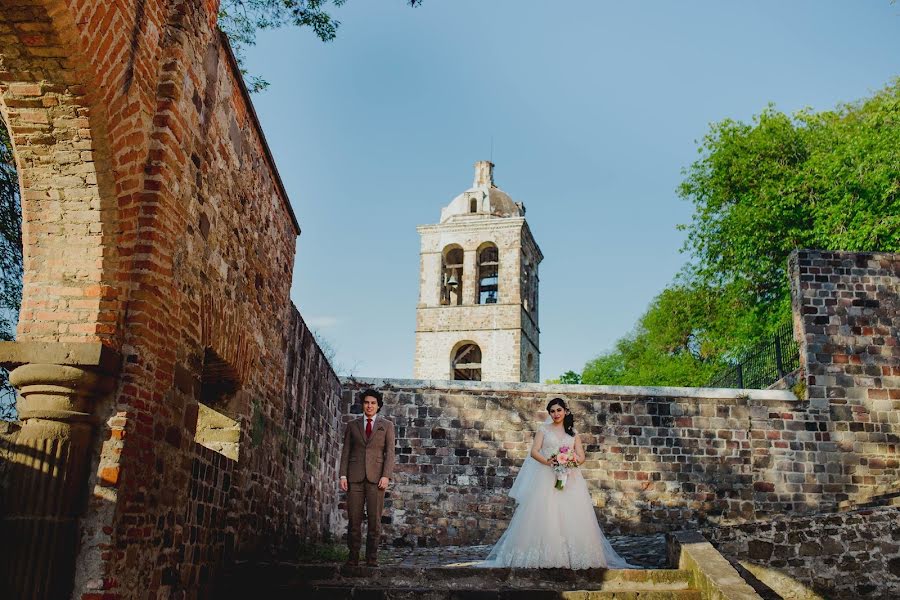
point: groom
(367, 461)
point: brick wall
(155, 222)
(658, 458)
(847, 317)
(286, 488)
(845, 555)
(505, 332)
(662, 459)
(279, 494)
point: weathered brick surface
(658, 459)
(838, 556)
(661, 459)
(506, 332)
(847, 316)
(156, 223)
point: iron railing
(764, 364)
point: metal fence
(763, 365)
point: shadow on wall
(843, 555)
(33, 506)
(655, 463)
(37, 504)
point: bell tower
(477, 316)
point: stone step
(330, 581)
(460, 578)
(376, 593)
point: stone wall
(279, 494)
(159, 245)
(674, 458)
(847, 317)
(844, 555)
(658, 458)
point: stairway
(330, 582)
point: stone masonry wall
(210, 300)
(155, 223)
(674, 458)
(658, 458)
(277, 497)
(289, 497)
(847, 317)
(500, 330)
(844, 555)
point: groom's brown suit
(363, 462)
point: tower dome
(483, 199)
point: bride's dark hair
(568, 420)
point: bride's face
(557, 413)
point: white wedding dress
(550, 527)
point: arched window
(452, 276)
(529, 362)
(488, 275)
(467, 363)
(473, 205)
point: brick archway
(61, 144)
(159, 243)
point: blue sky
(594, 109)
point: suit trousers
(364, 494)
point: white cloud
(322, 322)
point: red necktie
(368, 428)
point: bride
(553, 527)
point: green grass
(329, 553)
(323, 553)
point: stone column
(470, 277)
(48, 461)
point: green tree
(815, 180)
(10, 260)
(667, 347)
(241, 20)
(828, 180)
(569, 377)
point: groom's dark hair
(375, 394)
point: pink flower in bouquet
(563, 460)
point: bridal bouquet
(563, 460)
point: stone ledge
(494, 224)
(711, 572)
(565, 389)
(89, 355)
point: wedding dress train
(551, 527)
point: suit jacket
(367, 460)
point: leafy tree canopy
(569, 377)
(10, 238)
(10, 261)
(240, 20)
(828, 180)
